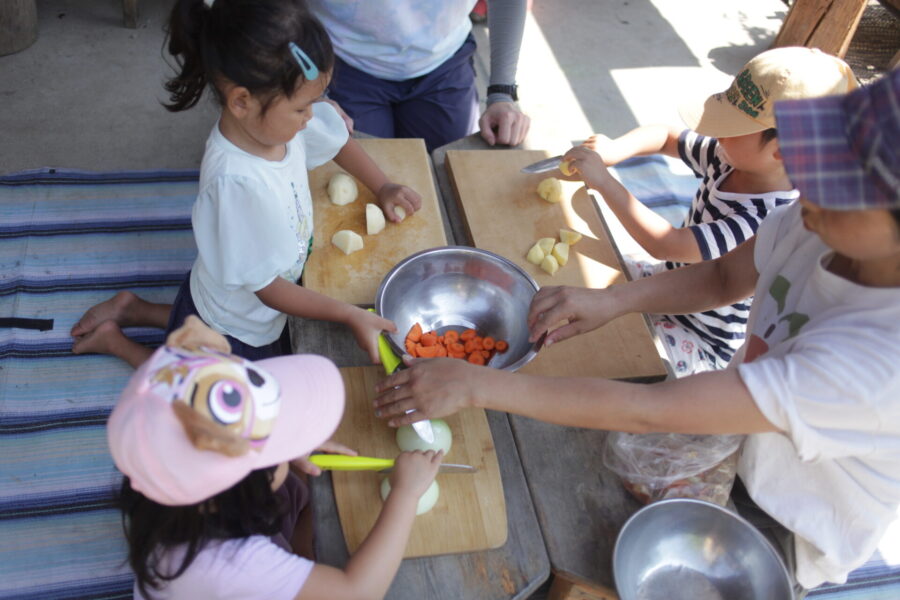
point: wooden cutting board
(504, 214)
(470, 513)
(355, 278)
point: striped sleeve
(731, 224)
(698, 151)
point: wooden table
(580, 504)
(513, 571)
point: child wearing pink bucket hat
(816, 386)
(210, 506)
(732, 146)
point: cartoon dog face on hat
(237, 396)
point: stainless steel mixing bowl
(457, 287)
(689, 549)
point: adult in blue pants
(405, 68)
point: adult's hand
(504, 123)
(582, 309)
(432, 387)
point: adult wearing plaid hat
(817, 385)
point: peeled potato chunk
(374, 219)
(546, 244)
(536, 254)
(550, 189)
(565, 168)
(550, 264)
(348, 241)
(569, 237)
(401, 214)
(342, 189)
(561, 253)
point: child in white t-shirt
(817, 384)
(268, 65)
(209, 503)
(732, 147)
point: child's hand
(366, 326)
(304, 465)
(602, 145)
(414, 471)
(590, 166)
(393, 194)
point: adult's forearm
(506, 20)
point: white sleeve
(324, 136)
(240, 233)
(836, 389)
(770, 231)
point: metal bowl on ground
(689, 549)
(458, 287)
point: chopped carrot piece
(440, 339)
(411, 347)
(426, 351)
(461, 355)
(488, 342)
(468, 334)
(476, 358)
(486, 354)
(441, 350)
(451, 336)
(470, 346)
(501, 346)
(415, 333)
(456, 348)
(428, 339)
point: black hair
(768, 135)
(250, 507)
(244, 42)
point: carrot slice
(488, 343)
(426, 351)
(451, 336)
(428, 339)
(461, 355)
(441, 350)
(468, 334)
(476, 358)
(456, 348)
(440, 339)
(411, 347)
(470, 346)
(486, 354)
(415, 333)
(501, 346)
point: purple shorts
(441, 106)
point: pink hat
(192, 423)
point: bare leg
(126, 310)
(107, 338)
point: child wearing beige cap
(732, 146)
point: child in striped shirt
(732, 147)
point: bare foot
(107, 338)
(115, 309)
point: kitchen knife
(391, 362)
(542, 166)
(340, 462)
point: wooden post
(18, 25)
(130, 13)
(828, 25)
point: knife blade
(341, 462)
(542, 166)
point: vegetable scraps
(466, 345)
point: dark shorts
(441, 106)
(184, 306)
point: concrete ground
(87, 94)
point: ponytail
(245, 42)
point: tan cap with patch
(748, 105)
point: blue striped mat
(68, 240)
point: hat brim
(715, 117)
(818, 158)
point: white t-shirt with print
(238, 569)
(822, 362)
(392, 39)
(253, 222)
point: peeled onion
(426, 500)
(408, 439)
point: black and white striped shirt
(720, 221)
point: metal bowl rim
(754, 532)
(526, 358)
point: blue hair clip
(309, 68)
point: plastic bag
(671, 465)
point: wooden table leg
(825, 24)
(566, 587)
(130, 13)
